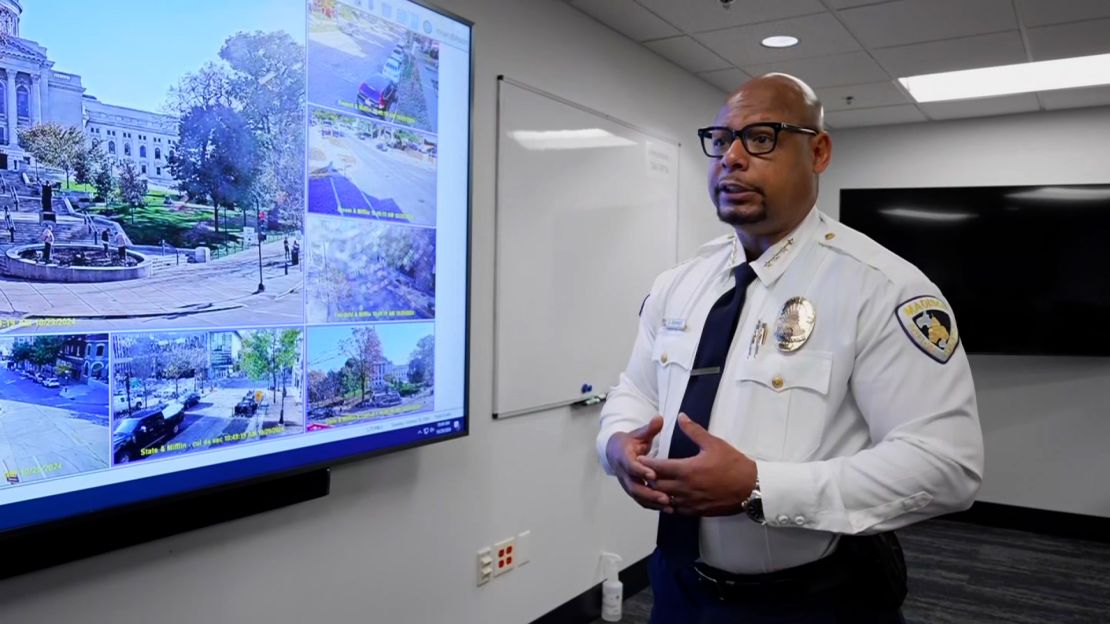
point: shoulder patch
(929, 324)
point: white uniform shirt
(870, 426)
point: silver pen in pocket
(757, 339)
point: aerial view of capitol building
(33, 92)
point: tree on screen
(422, 362)
(318, 391)
(135, 361)
(271, 354)
(267, 80)
(104, 179)
(208, 86)
(53, 145)
(349, 378)
(132, 186)
(262, 80)
(216, 157)
(88, 159)
(39, 351)
(365, 350)
(185, 360)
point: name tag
(675, 324)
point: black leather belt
(864, 573)
(809, 582)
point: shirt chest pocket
(784, 402)
(673, 355)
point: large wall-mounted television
(235, 244)
(1025, 268)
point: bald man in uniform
(786, 405)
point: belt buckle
(709, 581)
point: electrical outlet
(524, 548)
(485, 566)
(505, 556)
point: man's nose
(735, 157)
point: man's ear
(822, 152)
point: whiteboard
(586, 217)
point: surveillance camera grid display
(243, 253)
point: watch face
(755, 509)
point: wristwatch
(753, 505)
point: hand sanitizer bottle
(612, 590)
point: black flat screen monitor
(1025, 268)
(235, 243)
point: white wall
(395, 541)
(1046, 420)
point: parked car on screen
(392, 69)
(385, 398)
(322, 413)
(174, 413)
(51, 382)
(376, 95)
(119, 403)
(247, 406)
(191, 400)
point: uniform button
(800, 521)
(830, 236)
(777, 382)
(663, 358)
(783, 519)
(907, 505)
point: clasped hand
(711, 483)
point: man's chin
(741, 215)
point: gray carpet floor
(966, 574)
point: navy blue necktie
(678, 535)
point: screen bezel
(42, 530)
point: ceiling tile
(881, 116)
(817, 34)
(914, 21)
(983, 107)
(687, 54)
(1064, 40)
(951, 54)
(1044, 12)
(827, 71)
(1075, 98)
(704, 15)
(863, 96)
(627, 18)
(725, 79)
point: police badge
(795, 324)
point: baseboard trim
(1045, 522)
(586, 607)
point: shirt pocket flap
(781, 371)
(674, 350)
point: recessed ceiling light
(1079, 71)
(780, 41)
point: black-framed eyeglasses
(757, 138)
